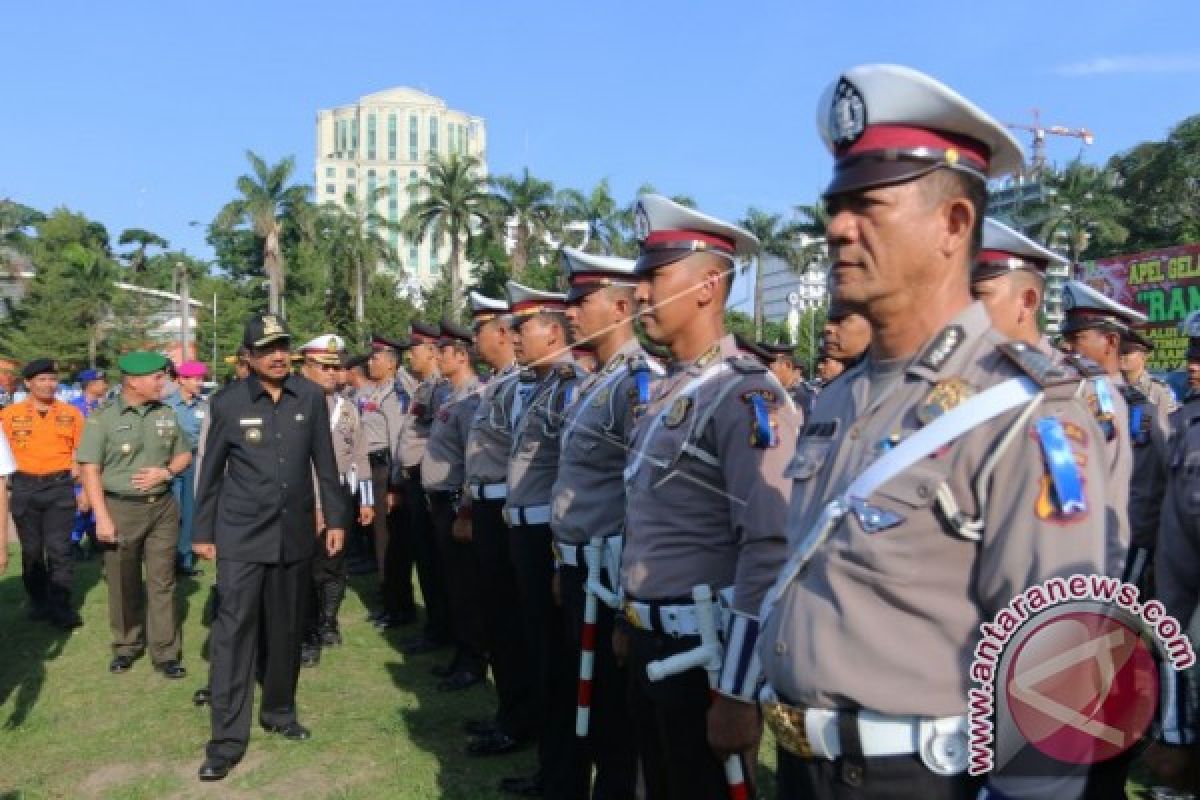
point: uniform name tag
(120, 428)
(245, 423)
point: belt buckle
(632, 616)
(787, 723)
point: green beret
(141, 362)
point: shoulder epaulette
(1133, 395)
(1085, 366)
(1036, 364)
(747, 365)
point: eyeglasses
(324, 367)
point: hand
(106, 531)
(320, 521)
(147, 478)
(556, 589)
(81, 503)
(620, 645)
(205, 550)
(462, 530)
(366, 515)
(733, 726)
(334, 538)
(393, 500)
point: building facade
(381, 146)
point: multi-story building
(386, 141)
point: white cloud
(1130, 65)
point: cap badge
(271, 325)
(641, 223)
(848, 116)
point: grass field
(69, 729)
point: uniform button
(283, 486)
(923, 491)
(780, 648)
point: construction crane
(1040, 131)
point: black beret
(39, 366)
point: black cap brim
(869, 173)
(266, 340)
(651, 260)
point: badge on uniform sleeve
(944, 396)
(762, 428)
(1062, 498)
(678, 412)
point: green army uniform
(122, 439)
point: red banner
(1162, 284)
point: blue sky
(138, 113)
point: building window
(413, 183)
(370, 137)
(329, 189)
(352, 125)
(433, 134)
(412, 137)
(452, 138)
(330, 172)
(349, 173)
(393, 193)
(413, 259)
(391, 137)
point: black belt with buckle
(49, 477)
(144, 499)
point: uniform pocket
(809, 459)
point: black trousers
(261, 609)
(670, 723)
(609, 745)
(512, 670)
(397, 559)
(879, 779)
(461, 572)
(44, 513)
(419, 537)
(328, 580)
(554, 675)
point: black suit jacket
(254, 491)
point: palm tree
(268, 196)
(811, 222)
(454, 202)
(15, 221)
(143, 239)
(1084, 211)
(529, 202)
(597, 210)
(774, 239)
(356, 238)
(93, 290)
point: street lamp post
(184, 309)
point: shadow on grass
(29, 645)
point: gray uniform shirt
(887, 621)
(535, 446)
(589, 492)
(349, 443)
(414, 435)
(490, 440)
(442, 468)
(705, 505)
(382, 417)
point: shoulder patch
(747, 365)
(1035, 364)
(942, 347)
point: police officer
(1009, 278)
(1095, 326)
(847, 333)
(44, 433)
(443, 478)
(868, 632)
(190, 409)
(705, 505)
(383, 413)
(489, 445)
(589, 506)
(322, 362)
(256, 514)
(428, 397)
(542, 345)
(1133, 366)
(132, 449)
(789, 370)
(1177, 571)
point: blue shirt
(85, 406)
(190, 416)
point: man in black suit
(255, 514)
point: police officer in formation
(866, 635)
(789, 369)
(322, 362)
(442, 478)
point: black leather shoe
(376, 615)
(67, 619)
(172, 670)
(444, 670)
(202, 697)
(389, 621)
(331, 637)
(420, 646)
(215, 768)
(120, 664)
(290, 730)
(462, 679)
(525, 787)
(310, 654)
(480, 727)
(496, 743)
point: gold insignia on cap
(944, 396)
(951, 156)
(254, 435)
(271, 325)
(678, 411)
